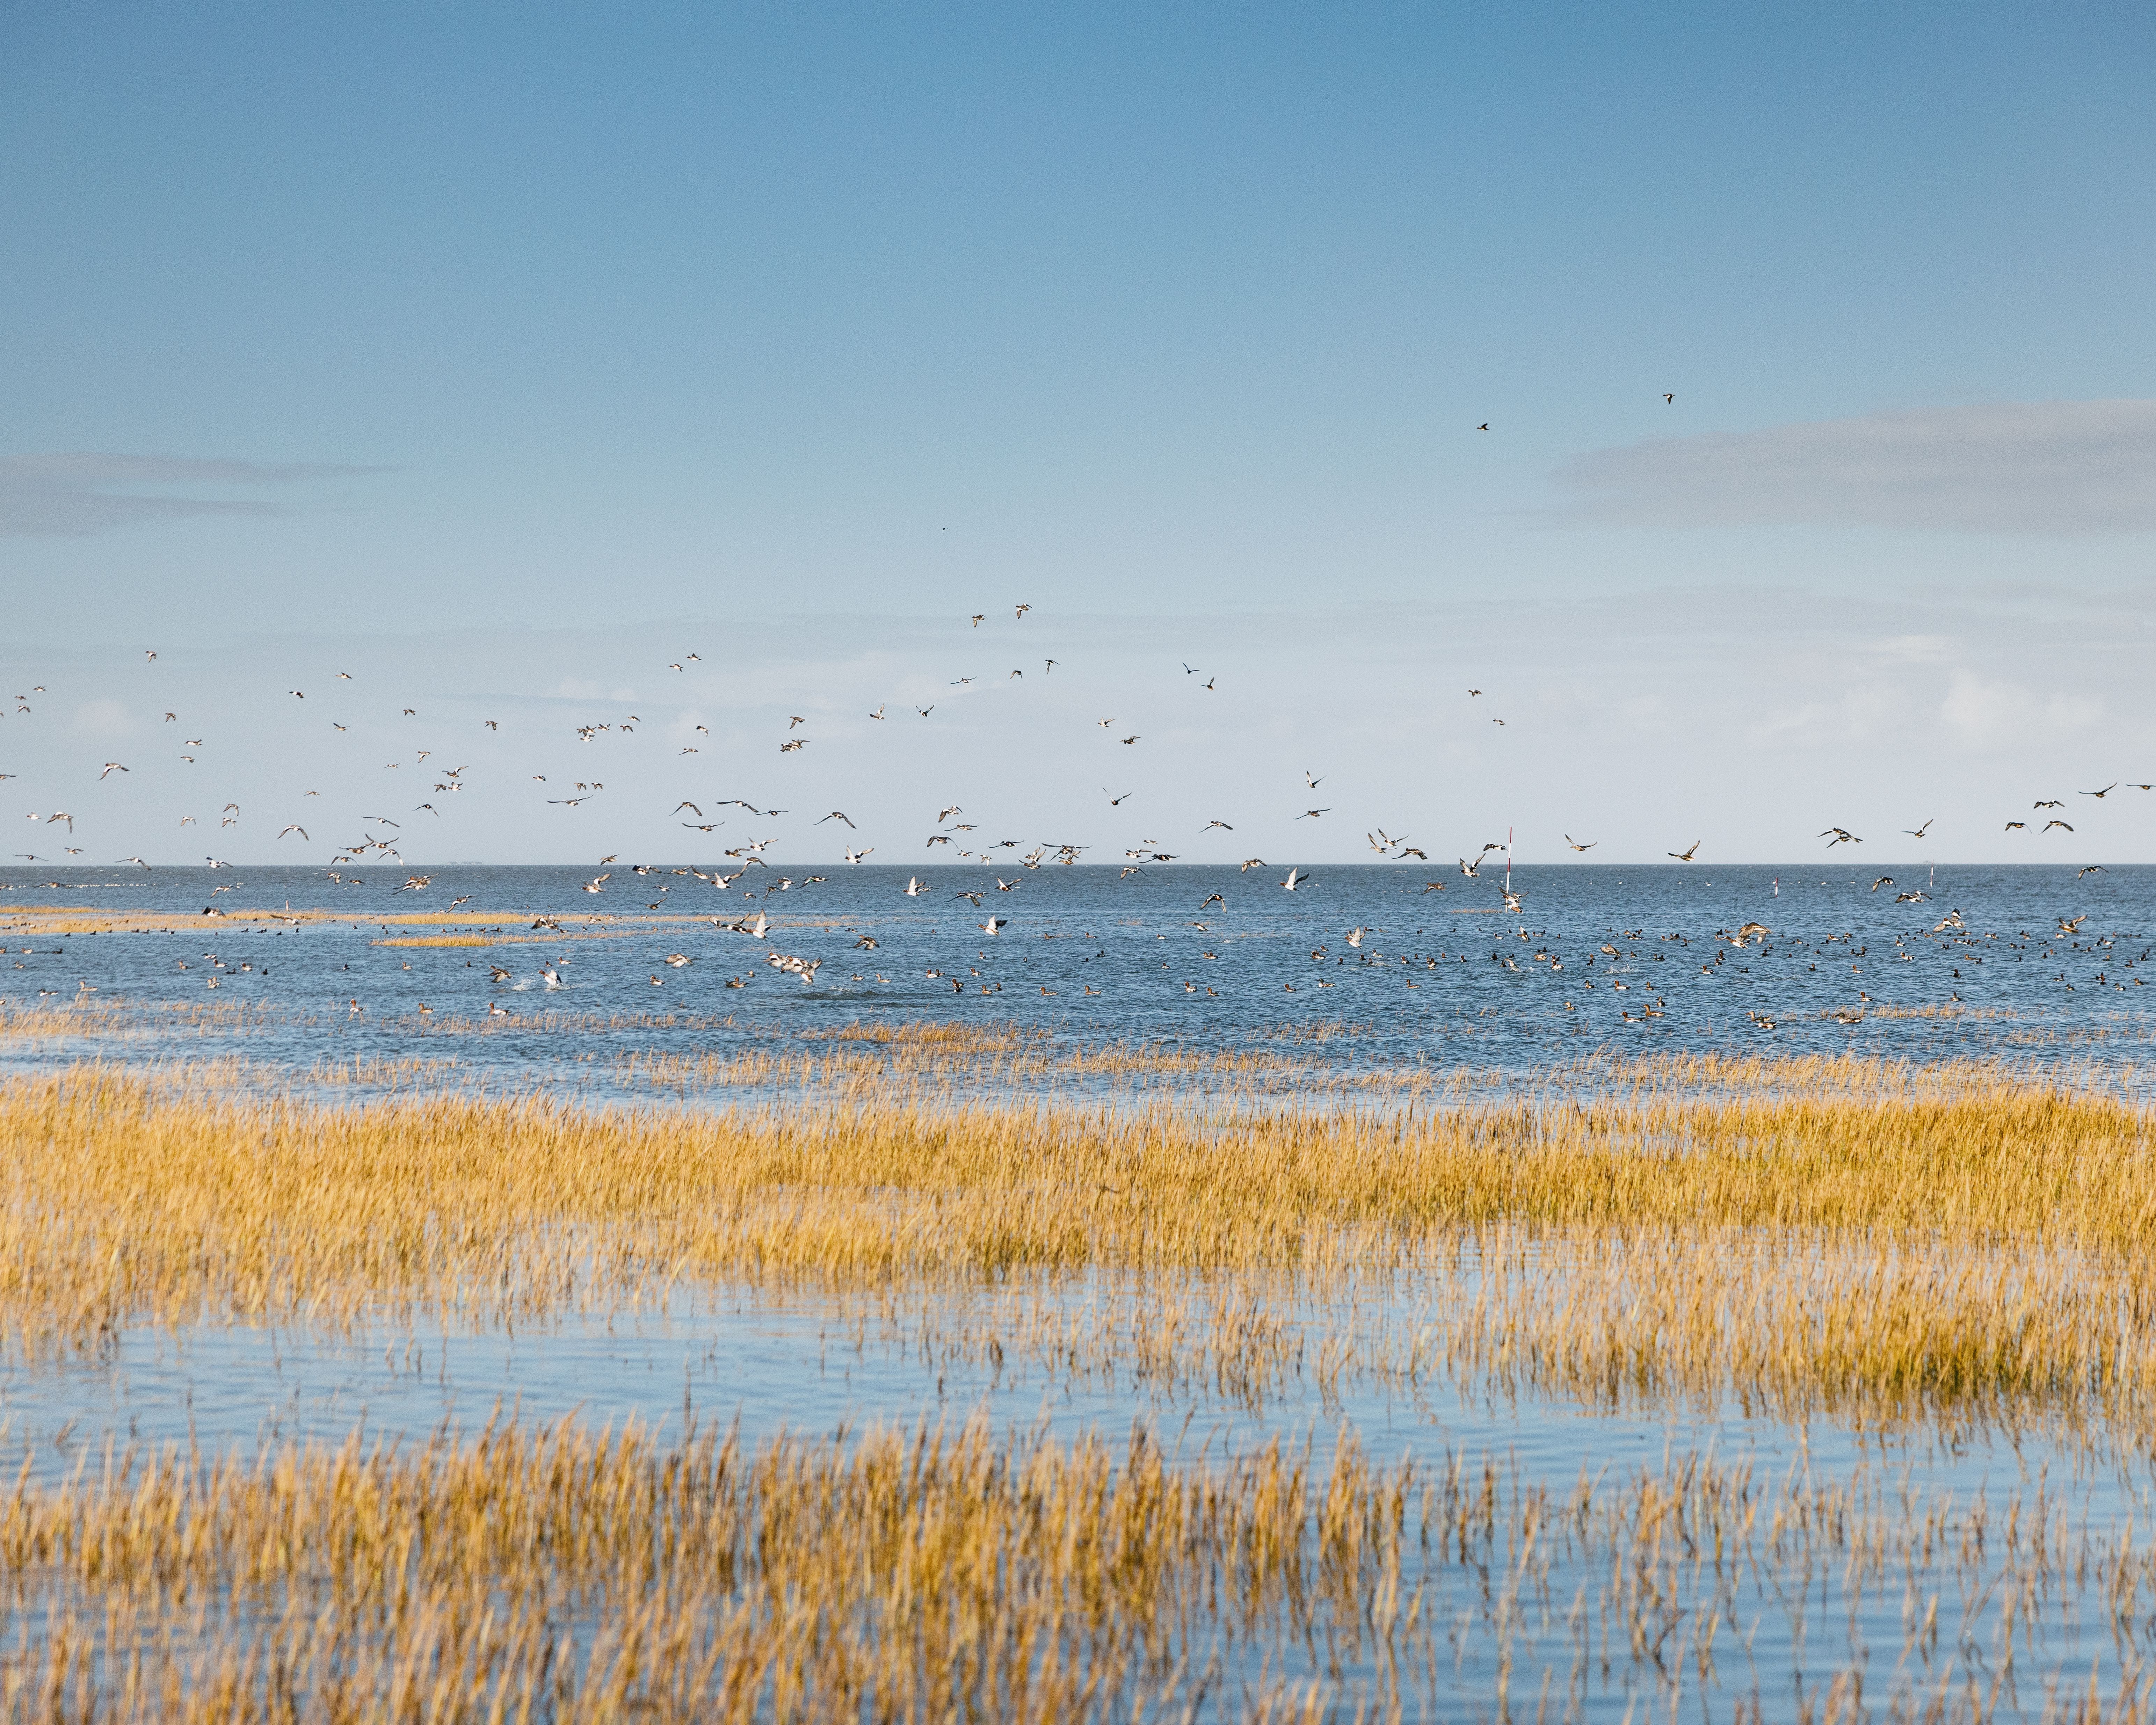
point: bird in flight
(1484, 426)
(1576, 845)
(2105, 792)
(836, 814)
(1295, 878)
(2014, 826)
(1313, 814)
(1670, 398)
(1686, 855)
(295, 828)
(1919, 832)
(2049, 824)
(1210, 824)
(111, 767)
(1842, 835)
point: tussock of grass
(568, 1573)
(1886, 1241)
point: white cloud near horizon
(79, 492)
(2059, 467)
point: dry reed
(1883, 1242)
(565, 1574)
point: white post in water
(1508, 859)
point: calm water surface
(1626, 961)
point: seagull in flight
(1686, 855)
(296, 828)
(1576, 845)
(1295, 878)
(2105, 792)
(836, 814)
(111, 767)
(1919, 832)
(1842, 835)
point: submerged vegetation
(1931, 1248)
(565, 1573)
(1827, 1234)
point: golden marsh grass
(568, 1573)
(1861, 1238)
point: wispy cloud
(85, 492)
(2057, 467)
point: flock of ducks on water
(953, 835)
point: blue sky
(341, 326)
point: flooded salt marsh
(1789, 1358)
(1530, 1551)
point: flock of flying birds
(746, 869)
(953, 834)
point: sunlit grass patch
(568, 1573)
(1867, 1239)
